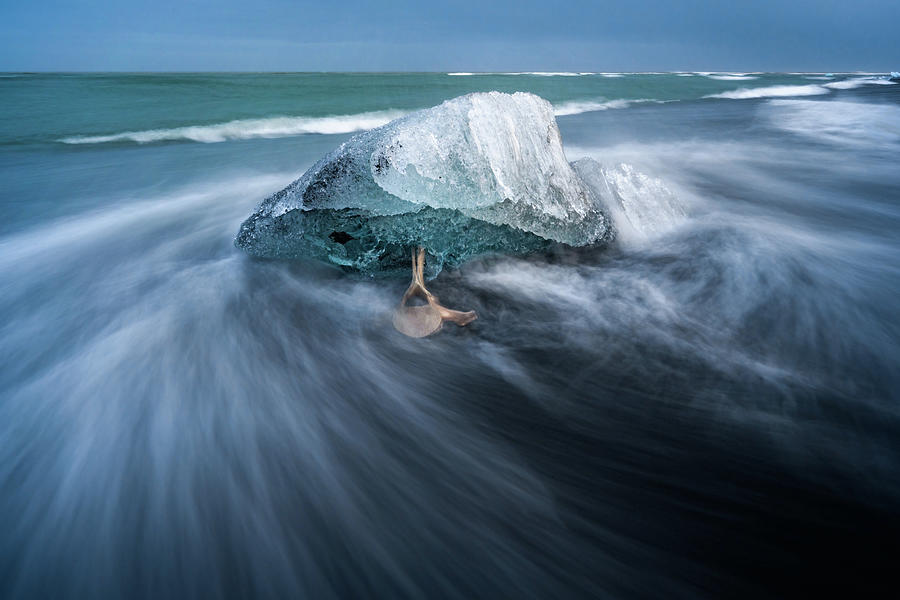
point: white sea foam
(774, 91)
(732, 77)
(576, 107)
(844, 123)
(852, 84)
(552, 74)
(272, 127)
(49, 241)
(537, 73)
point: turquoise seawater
(47, 108)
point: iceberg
(482, 173)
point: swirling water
(707, 408)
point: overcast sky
(449, 35)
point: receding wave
(774, 91)
(844, 123)
(242, 129)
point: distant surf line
(534, 73)
(282, 126)
(786, 91)
(286, 126)
(271, 127)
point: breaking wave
(731, 77)
(783, 91)
(577, 107)
(774, 91)
(536, 73)
(852, 84)
(242, 129)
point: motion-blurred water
(707, 408)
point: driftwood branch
(421, 321)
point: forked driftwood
(421, 321)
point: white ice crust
(491, 156)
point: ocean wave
(536, 73)
(852, 84)
(23, 252)
(731, 77)
(774, 91)
(839, 122)
(577, 107)
(272, 127)
(552, 74)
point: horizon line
(439, 72)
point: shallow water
(705, 409)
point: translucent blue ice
(482, 173)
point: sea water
(707, 407)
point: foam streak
(248, 128)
